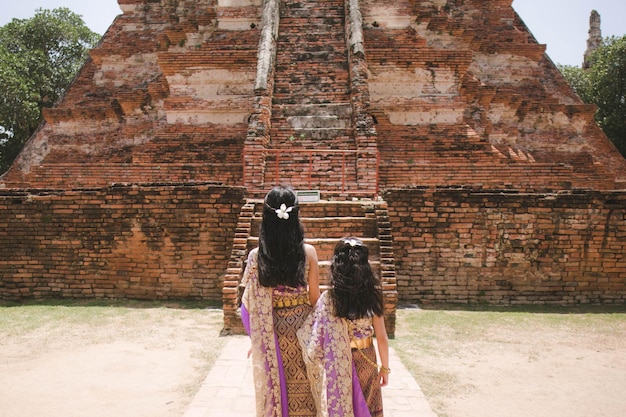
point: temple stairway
(325, 222)
(309, 136)
(312, 145)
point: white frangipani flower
(283, 211)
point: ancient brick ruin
(594, 41)
(437, 130)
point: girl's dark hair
(356, 292)
(281, 256)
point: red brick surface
(501, 187)
(138, 242)
(473, 246)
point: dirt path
(540, 377)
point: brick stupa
(351, 97)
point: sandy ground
(557, 366)
(146, 362)
(150, 363)
(539, 378)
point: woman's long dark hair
(281, 256)
(356, 292)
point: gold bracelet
(385, 369)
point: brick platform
(500, 186)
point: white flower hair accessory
(283, 211)
(352, 242)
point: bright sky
(561, 24)
(564, 24)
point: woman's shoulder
(310, 250)
(252, 256)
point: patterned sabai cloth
(338, 372)
(271, 317)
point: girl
(281, 284)
(337, 338)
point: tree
(39, 57)
(578, 78)
(604, 84)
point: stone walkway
(228, 390)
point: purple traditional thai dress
(271, 317)
(343, 381)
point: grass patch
(21, 318)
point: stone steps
(325, 223)
(311, 99)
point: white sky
(561, 24)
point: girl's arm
(313, 278)
(383, 348)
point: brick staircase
(311, 111)
(305, 128)
(325, 222)
(305, 133)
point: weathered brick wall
(164, 97)
(463, 245)
(463, 95)
(138, 242)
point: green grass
(21, 318)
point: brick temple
(439, 131)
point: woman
(337, 338)
(281, 284)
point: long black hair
(356, 292)
(281, 257)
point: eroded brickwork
(433, 93)
(138, 242)
(165, 97)
(501, 187)
(471, 246)
(464, 95)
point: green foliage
(39, 57)
(604, 84)
(608, 80)
(578, 78)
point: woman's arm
(313, 278)
(245, 315)
(383, 348)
